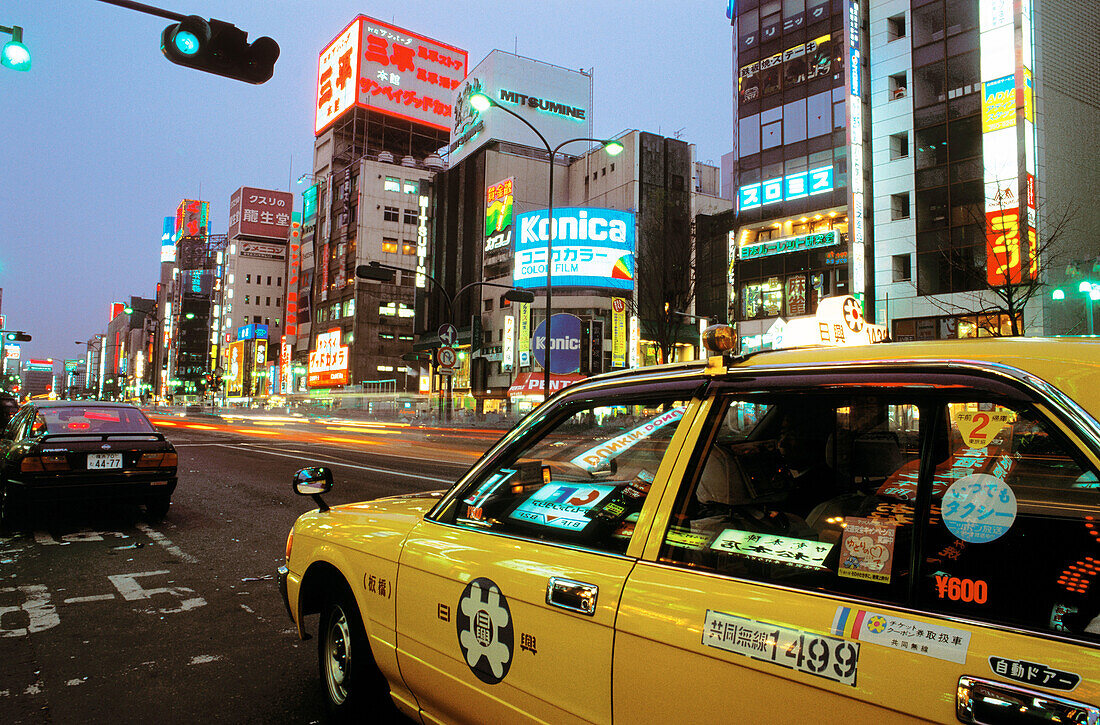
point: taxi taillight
(52, 462)
(289, 545)
(158, 460)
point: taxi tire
(156, 508)
(12, 509)
(351, 683)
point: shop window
(391, 214)
(899, 206)
(596, 490)
(899, 145)
(895, 27)
(411, 216)
(392, 184)
(762, 300)
(389, 245)
(903, 267)
(786, 486)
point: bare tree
(664, 274)
(1009, 269)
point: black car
(55, 450)
(9, 404)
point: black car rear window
(95, 419)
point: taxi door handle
(987, 701)
(572, 595)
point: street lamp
(480, 103)
(14, 54)
(1091, 291)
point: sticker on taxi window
(783, 549)
(867, 549)
(679, 536)
(817, 654)
(484, 624)
(562, 505)
(887, 630)
(1033, 673)
(979, 428)
(979, 508)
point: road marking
(39, 613)
(417, 476)
(91, 598)
(163, 540)
(128, 586)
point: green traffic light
(186, 42)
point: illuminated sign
(856, 195)
(192, 219)
(565, 344)
(524, 341)
(168, 241)
(381, 67)
(285, 379)
(236, 367)
(838, 322)
(422, 243)
(562, 505)
(309, 204)
(998, 104)
(498, 216)
(328, 362)
(618, 332)
(792, 186)
(542, 104)
(601, 454)
(770, 547)
(293, 267)
(790, 244)
(261, 250)
(509, 343)
(591, 248)
(793, 67)
(260, 214)
(252, 331)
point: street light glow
(15, 55)
(613, 148)
(1085, 286)
(1058, 294)
(480, 102)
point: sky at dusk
(104, 136)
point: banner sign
(790, 244)
(591, 248)
(618, 332)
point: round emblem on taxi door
(484, 625)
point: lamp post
(1091, 290)
(480, 103)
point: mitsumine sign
(542, 104)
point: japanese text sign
(260, 214)
(382, 67)
(591, 248)
(328, 361)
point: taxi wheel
(157, 508)
(11, 508)
(354, 688)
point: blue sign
(791, 186)
(252, 331)
(565, 344)
(592, 248)
(562, 505)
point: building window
(248, 278)
(408, 248)
(612, 168)
(895, 27)
(899, 206)
(903, 267)
(247, 299)
(392, 184)
(278, 301)
(898, 86)
(391, 214)
(349, 337)
(404, 310)
(389, 309)
(269, 280)
(256, 319)
(410, 216)
(489, 305)
(405, 337)
(349, 308)
(279, 281)
(267, 301)
(389, 245)
(385, 336)
(412, 187)
(899, 146)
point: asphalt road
(106, 617)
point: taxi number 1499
(817, 654)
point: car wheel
(353, 687)
(157, 508)
(11, 508)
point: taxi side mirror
(312, 482)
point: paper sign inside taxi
(784, 549)
(562, 505)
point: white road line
(92, 598)
(417, 476)
(163, 540)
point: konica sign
(565, 344)
(591, 248)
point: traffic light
(596, 347)
(221, 48)
(16, 336)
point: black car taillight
(157, 460)
(52, 462)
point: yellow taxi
(856, 534)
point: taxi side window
(804, 491)
(1014, 527)
(583, 481)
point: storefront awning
(532, 383)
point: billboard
(261, 250)
(565, 344)
(328, 362)
(498, 217)
(796, 65)
(591, 248)
(618, 332)
(385, 68)
(236, 367)
(554, 100)
(192, 219)
(168, 241)
(260, 214)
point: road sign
(446, 358)
(448, 334)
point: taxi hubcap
(339, 657)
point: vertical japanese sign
(524, 342)
(856, 194)
(388, 69)
(168, 241)
(284, 367)
(634, 345)
(618, 332)
(293, 266)
(236, 367)
(498, 217)
(192, 219)
(422, 242)
(260, 214)
(508, 355)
